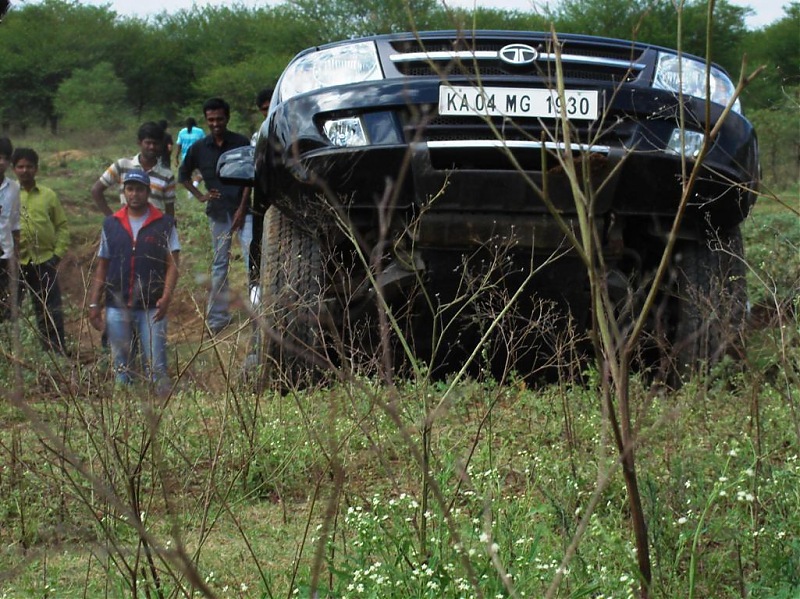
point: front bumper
(466, 171)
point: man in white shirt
(162, 181)
(9, 229)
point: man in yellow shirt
(44, 239)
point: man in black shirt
(226, 205)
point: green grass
(772, 243)
(110, 492)
(721, 493)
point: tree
(341, 19)
(657, 23)
(777, 47)
(34, 60)
(177, 60)
(152, 66)
(489, 18)
(233, 53)
(611, 18)
(92, 98)
(777, 128)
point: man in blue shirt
(226, 205)
(186, 137)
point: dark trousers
(5, 290)
(41, 282)
(254, 274)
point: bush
(777, 136)
(91, 99)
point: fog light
(346, 132)
(692, 142)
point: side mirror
(237, 167)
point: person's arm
(100, 186)
(170, 197)
(177, 154)
(212, 194)
(185, 177)
(241, 211)
(98, 195)
(96, 294)
(170, 280)
(59, 218)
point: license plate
(517, 102)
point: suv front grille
(580, 60)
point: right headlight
(688, 76)
(349, 63)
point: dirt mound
(60, 159)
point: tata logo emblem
(518, 54)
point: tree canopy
(165, 66)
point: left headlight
(689, 76)
(350, 63)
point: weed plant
(772, 238)
(719, 465)
(475, 487)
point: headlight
(350, 63)
(692, 80)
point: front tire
(711, 296)
(291, 282)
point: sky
(766, 11)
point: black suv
(426, 169)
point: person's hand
(96, 317)
(213, 194)
(238, 219)
(162, 306)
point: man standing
(44, 240)
(135, 277)
(162, 182)
(226, 205)
(186, 137)
(254, 225)
(9, 229)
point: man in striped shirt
(162, 181)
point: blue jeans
(217, 312)
(152, 335)
(245, 238)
